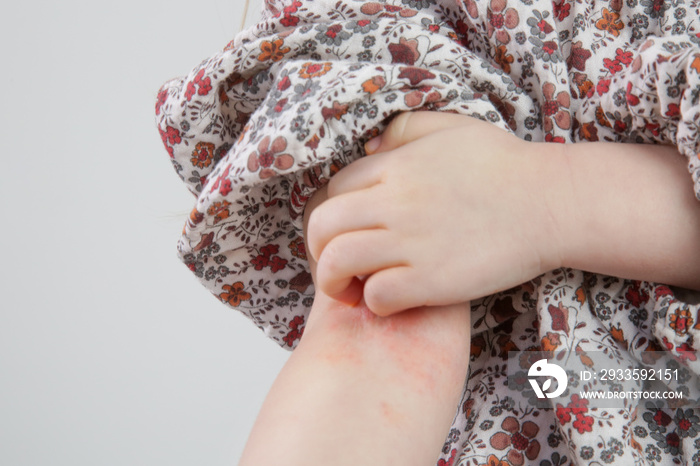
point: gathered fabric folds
(256, 129)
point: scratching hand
(446, 209)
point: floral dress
(255, 130)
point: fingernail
(373, 144)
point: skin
(496, 211)
(364, 389)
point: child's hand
(448, 209)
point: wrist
(554, 221)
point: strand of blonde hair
(245, 15)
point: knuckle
(315, 233)
(399, 125)
(377, 297)
(330, 260)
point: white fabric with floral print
(254, 130)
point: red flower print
(654, 128)
(406, 51)
(544, 26)
(612, 65)
(667, 344)
(555, 110)
(673, 110)
(415, 75)
(218, 184)
(277, 263)
(500, 19)
(578, 405)
(520, 440)
(204, 86)
(561, 9)
(191, 91)
(289, 21)
(296, 322)
(333, 31)
(673, 440)
(563, 414)
(661, 291)
(460, 32)
(603, 86)
(170, 137)
(686, 352)
(583, 423)
(636, 296)
(549, 47)
(266, 259)
(632, 99)
(558, 139)
(270, 249)
(269, 155)
(578, 56)
(661, 418)
(284, 84)
(449, 462)
(280, 105)
(560, 317)
(295, 332)
(620, 126)
(292, 8)
(162, 97)
(292, 336)
(422, 96)
(623, 57)
(225, 187)
(261, 261)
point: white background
(111, 352)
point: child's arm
(361, 389)
(451, 208)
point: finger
(361, 174)
(405, 128)
(342, 214)
(410, 126)
(396, 289)
(356, 254)
(352, 294)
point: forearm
(628, 210)
(363, 389)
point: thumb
(410, 126)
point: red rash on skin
(405, 338)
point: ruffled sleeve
(254, 130)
